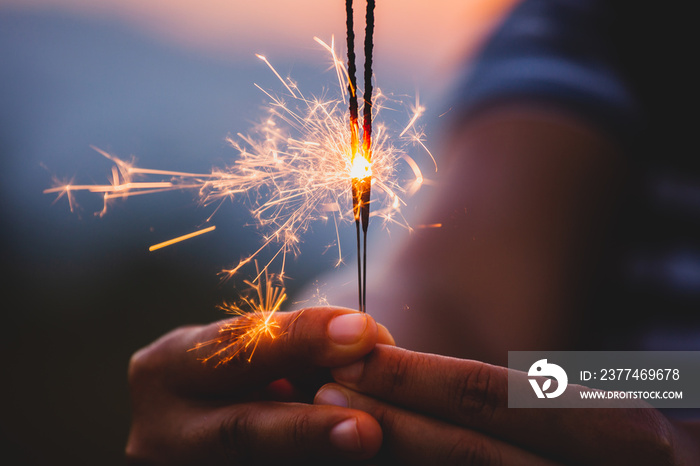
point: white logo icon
(543, 369)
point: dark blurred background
(82, 293)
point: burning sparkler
(293, 169)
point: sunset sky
(415, 39)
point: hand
(187, 412)
(440, 410)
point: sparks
(254, 319)
(293, 169)
(182, 238)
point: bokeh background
(166, 82)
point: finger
(267, 433)
(429, 383)
(315, 337)
(411, 438)
(385, 337)
(261, 433)
(302, 386)
(475, 395)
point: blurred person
(569, 220)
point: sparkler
(293, 169)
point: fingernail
(349, 374)
(344, 436)
(347, 328)
(331, 396)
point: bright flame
(361, 168)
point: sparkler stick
(367, 140)
(362, 174)
(354, 136)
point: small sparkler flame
(255, 319)
(361, 168)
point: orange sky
(432, 33)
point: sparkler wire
(354, 134)
(367, 138)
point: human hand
(439, 410)
(187, 412)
